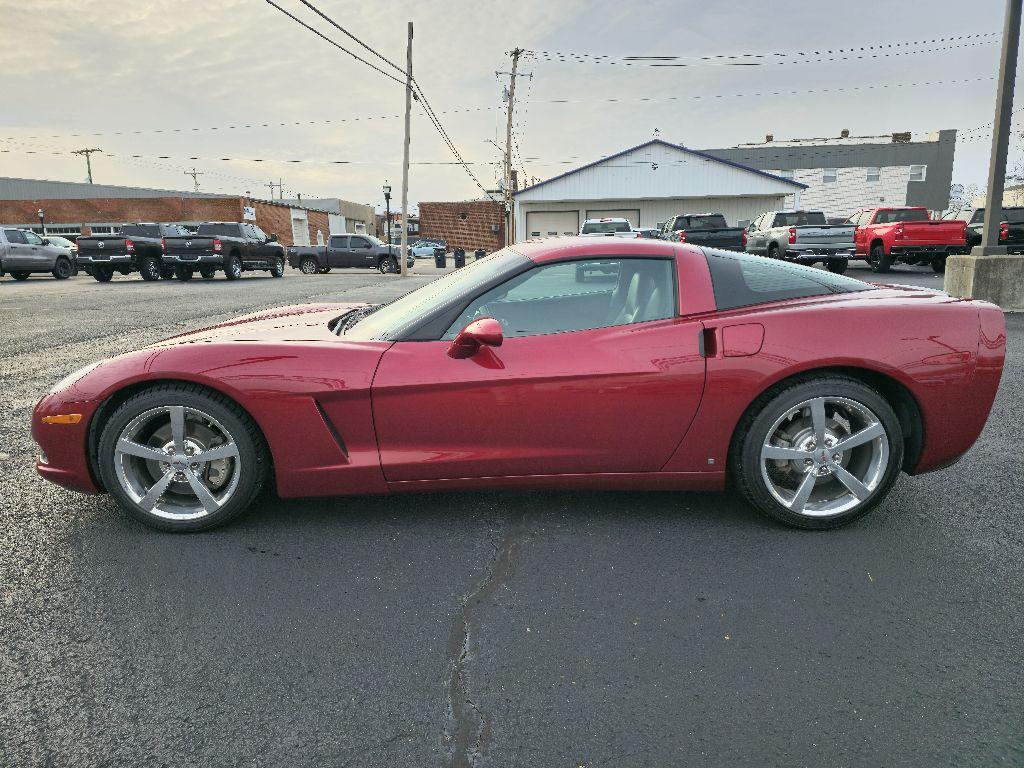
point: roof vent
(769, 138)
(901, 138)
(844, 134)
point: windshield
(605, 227)
(705, 222)
(391, 320)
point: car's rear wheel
(308, 266)
(837, 266)
(879, 260)
(181, 458)
(818, 452)
(773, 251)
(278, 269)
(233, 268)
(150, 269)
(939, 264)
(20, 275)
(63, 268)
(183, 273)
(208, 273)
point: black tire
(183, 273)
(63, 268)
(309, 266)
(19, 275)
(149, 268)
(752, 431)
(233, 267)
(253, 462)
(388, 265)
(837, 266)
(207, 273)
(773, 251)
(939, 265)
(102, 274)
(879, 260)
(278, 269)
(166, 273)
(325, 270)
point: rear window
(1013, 215)
(741, 280)
(605, 227)
(699, 222)
(141, 230)
(800, 219)
(225, 230)
(901, 214)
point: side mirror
(483, 332)
(46, 241)
(273, 237)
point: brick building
(71, 209)
(472, 224)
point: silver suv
(23, 252)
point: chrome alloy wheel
(825, 456)
(177, 462)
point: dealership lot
(493, 629)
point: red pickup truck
(886, 236)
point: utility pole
(88, 162)
(195, 177)
(280, 188)
(271, 184)
(403, 269)
(989, 272)
(508, 176)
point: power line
(340, 28)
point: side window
(15, 236)
(359, 242)
(338, 242)
(258, 233)
(577, 296)
(978, 217)
(32, 238)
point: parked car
(1011, 227)
(425, 248)
(229, 246)
(648, 233)
(505, 374)
(23, 252)
(610, 227)
(136, 248)
(802, 236)
(886, 236)
(63, 242)
(344, 251)
(708, 229)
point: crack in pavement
(469, 728)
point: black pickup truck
(229, 246)
(707, 229)
(363, 251)
(136, 248)
(1011, 227)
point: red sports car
(575, 363)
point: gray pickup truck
(347, 251)
(803, 236)
(23, 252)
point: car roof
(558, 248)
(606, 218)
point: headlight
(71, 378)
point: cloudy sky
(169, 78)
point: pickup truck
(708, 229)
(347, 251)
(23, 252)
(886, 236)
(223, 245)
(607, 228)
(136, 248)
(803, 236)
(1011, 227)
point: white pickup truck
(608, 228)
(23, 252)
(803, 236)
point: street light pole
(403, 269)
(42, 221)
(387, 210)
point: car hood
(297, 323)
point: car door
(337, 251)
(260, 247)
(755, 234)
(17, 258)
(593, 376)
(38, 257)
(361, 252)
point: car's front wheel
(388, 265)
(818, 452)
(63, 268)
(309, 266)
(278, 269)
(181, 458)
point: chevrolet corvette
(592, 363)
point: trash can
(479, 254)
(460, 257)
(440, 258)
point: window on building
(829, 175)
(787, 174)
(918, 172)
(872, 175)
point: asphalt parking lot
(504, 629)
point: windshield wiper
(349, 319)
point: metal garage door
(552, 224)
(630, 214)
